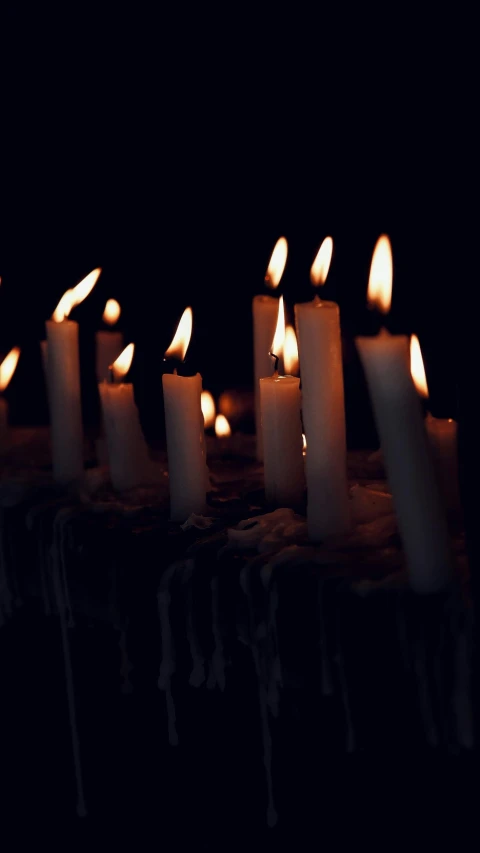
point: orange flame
(277, 263)
(112, 312)
(321, 264)
(181, 339)
(304, 441)
(290, 352)
(75, 295)
(417, 368)
(208, 409)
(122, 364)
(222, 427)
(379, 293)
(7, 367)
(279, 337)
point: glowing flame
(304, 440)
(7, 367)
(75, 295)
(277, 263)
(208, 409)
(379, 293)
(181, 339)
(222, 427)
(321, 264)
(112, 312)
(122, 364)
(279, 337)
(290, 352)
(417, 367)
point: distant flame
(181, 339)
(290, 352)
(379, 292)
(277, 263)
(222, 427)
(75, 295)
(417, 367)
(321, 264)
(112, 312)
(208, 409)
(279, 337)
(122, 365)
(304, 440)
(7, 367)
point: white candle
(282, 430)
(442, 436)
(108, 343)
(185, 431)
(64, 385)
(128, 456)
(7, 369)
(410, 470)
(320, 350)
(265, 311)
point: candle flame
(222, 427)
(75, 295)
(181, 339)
(112, 312)
(417, 367)
(279, 337)
(208, 409)
(122, 364)
(304, 441)
(7, 367)
(290, 352)
(321, 264)
(379, 293)
(277, 263)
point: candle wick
(111, 377)
(175, 371)
(276, 360)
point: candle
(320, 349)
(222, 427)
(208, 409)
(7, 369)
(265, 310)
(185, 431)
(63, 384)
(420, 514)
(128, 456)
(442, 437)
(290, 352)
(282, 430)
(109, 343)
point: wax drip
(327, 683)
(60, 600)
(167, 665)
(125, 665)
(197, 676)
(62, 518)
(272, 816)
(218, 658)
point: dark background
(174, 150)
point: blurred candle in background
(208, 409)
(290, 352)
(265, 310)
(108, 342)
(7, 369)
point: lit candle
(128, 456)
(442, 435)
(410, 471)
(7, 369)
(290, 352)
(185, 431)
(109, 343)
(63, 381)
(208, 409)
(282, 429)
(265, 310)
(320, 349)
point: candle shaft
(109, 345)
(128, 456)
(265, 314)
(185, 444)
(282, 440)
(64, 400)
(442, 436)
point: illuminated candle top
(181, 339)
(122, 364)
(112, 312)
(417, 367)
(75, 295)
(277, 263)
(208, 409)
(7, 367)
(290, 352)
(222, 427)
(380, 281)
(321, 264)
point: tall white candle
(63, 383)
(108, 343)
(282, 431)
(185, 431)
(265, 310)
(442, 437)
(128, 456)
(320, 350)
(410, 471)
(7, 369)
